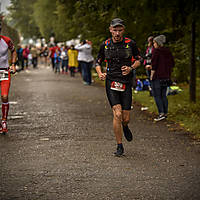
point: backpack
(127, 41)
(25, 53)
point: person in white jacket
(85, 59)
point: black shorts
(117, 97)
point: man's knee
(125, 121)
(126, 117)
(118, 115)
(117, 111)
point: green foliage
(21, 13)
(45, 16)
(181, 56)
(10, 32)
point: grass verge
(181, 111)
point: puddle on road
(15, 117)
(44, 139)
(13, 102)
(21, 115)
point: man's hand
(102, 76)
(12, 69)
(126, 70)
(152, 73)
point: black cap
(84, 41)
(117, 22)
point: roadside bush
(181, 55)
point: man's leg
(117, 126)
(114, 100)
(125, 120)
(117, 122)
(5, 86)
(5, 109)
(125, 117)
(126, 102)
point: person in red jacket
(25, 54)
(162, 64)
(5, 45)
(52, 51)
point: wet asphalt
(60, 146)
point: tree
(10, 32)
(21, 13)
(193, 59)
(44, 14)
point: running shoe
(4, 127)
(160, 117)
(120, 151)
(127, 133)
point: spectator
(162, 64)
(57, 60)
(19, 56)
(64, 58)
(34, 54)
(52, 50)
(45, 53)
(73, 60)
(85, 59)
(25, 57)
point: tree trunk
(193, 63)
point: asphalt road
(60, 146)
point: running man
(122, 56)
(5, 79)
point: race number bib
(118, 86)
(3, 75)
